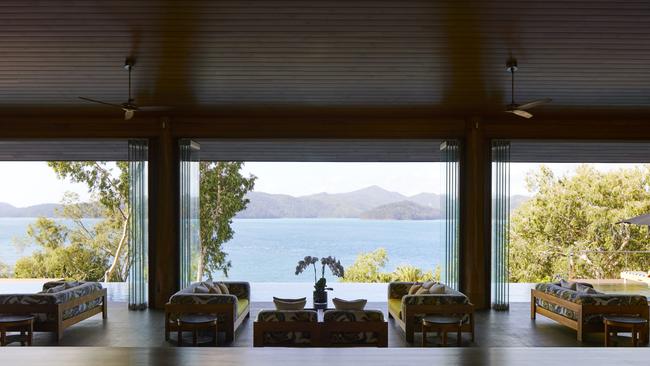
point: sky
(30, 183)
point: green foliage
(580, 212)
(82, 252)
(75, 262)
(222, 195)
(5, 271)
(368, 267)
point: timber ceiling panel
(527, 151)
(444, 55)
(315, 150)
(64, 150)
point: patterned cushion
(308, 316)
(396, 290)
(353, 316)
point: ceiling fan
(520, 110)
(129, 107)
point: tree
(104, 244)
(368, 268)
(63, 254)
(572, 214)
(222, 195)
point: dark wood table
(632, 324)
(16, 323)
(194, 323)
(442, 324)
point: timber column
(475, 215)
(163, 216)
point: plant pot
(320, 299)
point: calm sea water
(267, 250)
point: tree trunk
(118, 251)
(201, 265)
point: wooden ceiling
(445, 56)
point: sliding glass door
(450, 151)
(500, 223)
(138, 219)
(189, 175)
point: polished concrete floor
(513, 328)
(110, 356)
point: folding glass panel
(189, 210)
(450, 151)
(138, 215)
(500, 223)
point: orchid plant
(335, 266)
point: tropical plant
(368, 267)
(572, 222)
(222, 195)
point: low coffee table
(194, 323)
(442, 324)
(16, 323)
(633, 324)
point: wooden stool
(442, 324)
(637, 326)
(16, 323)
(194, 323)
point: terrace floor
(513, 328)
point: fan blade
(534, 103)
(100, 102)
(521, 113)
(128, 114)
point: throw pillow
(223, 288)
(568, 285)
(214, 289)
(422, 291)
(340, 304)
(289, 304)
(71, 284)
(414, 288)
(437, 289)
(55, 289)
(427, 285)
(585, 289)
(201, 289)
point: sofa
(338, 328)
(582, 311)
(230, 309)
(408, 310)
(59, 305)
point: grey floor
(513, 328)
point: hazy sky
(29, 183)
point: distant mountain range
(368, 203)
(372, 203)
(44, 210)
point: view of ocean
(267, 250)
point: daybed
(59, 305)
(584, 311)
